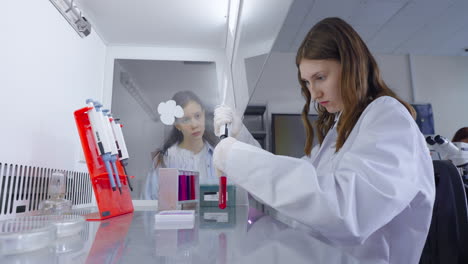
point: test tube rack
(110, 203)
(176, 188)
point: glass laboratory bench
(234, 235)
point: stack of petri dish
(28, 233)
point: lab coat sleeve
(376, 178)
(245, 136)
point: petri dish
(66, 225)
(29, 233)
(69, 244)
(24, 234)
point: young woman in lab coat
(370, 184)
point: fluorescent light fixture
(73, 15)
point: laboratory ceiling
(161, 23)
(420, 27)
(424, 27)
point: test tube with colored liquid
(222, 192)
(182, 186)
(192, 186)
(222, 179)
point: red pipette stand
(110, 203)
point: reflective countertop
(235, 235)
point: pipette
(224, 133)
(114, 151)
(103, 145)
(121, 147)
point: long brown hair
(360, 84)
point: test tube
(222, 180)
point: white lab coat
(373, 197)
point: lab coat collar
(337, 118)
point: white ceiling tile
(456, 44)
(366, 32)
(408, 21)
(296, 16)
(323, 9)
(437, 31)
(374, 12)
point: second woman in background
(189, 145)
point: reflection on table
(237, 235)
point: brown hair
(360, 84)
(461, 135)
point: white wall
(47, 72)
(396, 73)
(443, 81)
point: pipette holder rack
(110, 203)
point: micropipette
(121, 146)
(114, 151)
(102, 143)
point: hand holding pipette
(226, 124)
(223, 115)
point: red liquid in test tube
(222, 192)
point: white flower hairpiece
(169, 111)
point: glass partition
(151, 125)
(259, 23)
